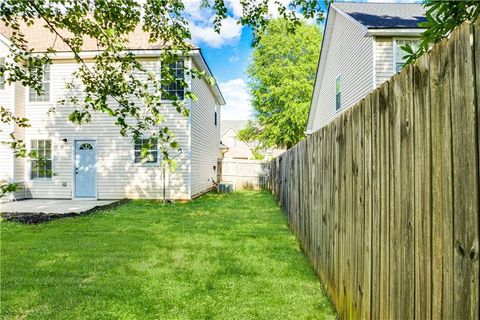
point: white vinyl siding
(205, 138)
(349, 53)
(383, 59)
(118, 176)
(6, 155)
(20, 163)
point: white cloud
(202, 32)
(235, 6)
(236, 95)
(201, 26)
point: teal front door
(85, 169)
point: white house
(236, 148)
(361, 49)
(93, 161)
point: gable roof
(384, 15)
(236, 125)
(39, 38)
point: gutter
(390, 32)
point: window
(215, 116)
(2, 75)
(146, 150)
(399, 53)
(176, 87)
(338, 93)
(41, 165)
(45, 97)
(86, 146)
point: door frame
(74, 181)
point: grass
(218, 257)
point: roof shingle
(39, 38)
(385, 15)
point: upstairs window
(399, 53)
(2, 74)
(338, 93)
(41, 165)
(215, 116)
(45, 97)
(176, 87)
(146, 150)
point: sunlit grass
(218, 257)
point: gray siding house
(116, 171)
(361, 49)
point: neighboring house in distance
(235, 148)
(93, 161)
(361, 49)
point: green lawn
(218, 257)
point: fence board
(442, 223)
(465, 175)
(422, 211)
(385, 198)
(246, 174)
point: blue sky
(227, 53)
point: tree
(115, 78)
(442, 18)
(281, 76)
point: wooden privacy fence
(385, 198)
(246, 174)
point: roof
(40, 38)
(384, 15)
(236, 125)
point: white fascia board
(405, 32)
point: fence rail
(385, 198)
(246, 174)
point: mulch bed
(41, 217)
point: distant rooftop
(237, 125)
(384, 15)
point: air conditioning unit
(226, 187)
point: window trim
(49, 89)
(339, 80)
(28, 172)
(394, 51)
(146, 164)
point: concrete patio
(35, 211)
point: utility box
(226, 187)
